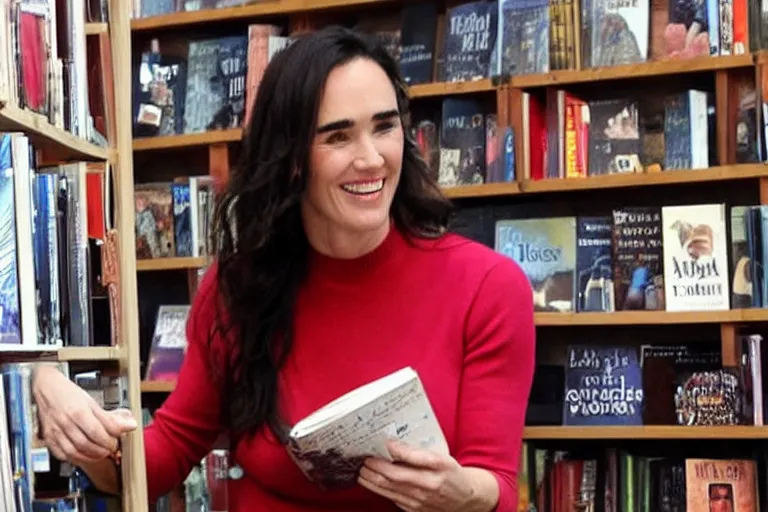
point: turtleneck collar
(353, 269)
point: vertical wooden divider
(725, 149)
(134, 493)
(218, 163)
(729, 345)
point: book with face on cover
(331, 444)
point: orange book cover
(740, 30)
(713, 485)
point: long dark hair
(262, 248)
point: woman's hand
(422, 480)
(72, 425)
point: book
(331, 444)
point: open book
(331, 444)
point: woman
(339, 270)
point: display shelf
(609, 433)
(59, 143)
(632, 71)
(255, 9)
(169, 264)
(652, 317)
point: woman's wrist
(485, 490)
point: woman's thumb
(119, 421)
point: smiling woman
(334, 268)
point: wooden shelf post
(134, 492)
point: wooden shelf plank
(645, 432)
(187, 140)
(59, 143)
(149, 386)
(719, 173)
(96, 28)
(169, 264)
(448, 88)
(483, 190)
(631, 71)
(56, 353)
(649, 317)
(257, 8)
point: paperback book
(331, 444)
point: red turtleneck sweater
(456, 311)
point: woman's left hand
(418, 480)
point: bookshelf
(55, 145)
(743, 180)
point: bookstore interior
(573, 156)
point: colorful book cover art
(169, 343)
(154, 221)
(10, 316)
(727, 485)
(546, 250)
(603, 386)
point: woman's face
(356, 154)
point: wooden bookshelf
(719, 72)
(42, 352)
(648, 432)
(59, 143)
(256, 9)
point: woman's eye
(385, 127)
(337, 137)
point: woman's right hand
(72, 425)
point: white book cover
(331, 444)
(695, 257)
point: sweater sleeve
(188, 423)
(498, 371)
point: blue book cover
(46, 248)
(182, 222)
(10, 315)
(594, 263)
(603, 386)
(19, 411)
(470, 41)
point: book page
(333, 454)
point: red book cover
(216, 475)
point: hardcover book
(546, 251)
(594, 264)
(695, 257)
(169, 343)
(469, 41)
(331, 444)
(638, 265)
(603, 386)
(712, 484)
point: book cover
(469, 41)
(594, 264)
(614, 137)
(714, 484)
(524, 37)
(620, 32)
(546, 251)
(603, 386)
(10, 311)
(154, 221)
(331, 444)
(169, 343)
(418, 38)
(695, 257)
(638, 265)
(462, 143)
